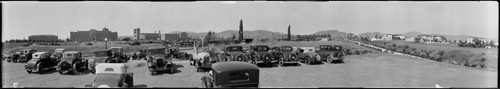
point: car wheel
(307, 60)
(329, 59)
(40, 68)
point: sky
(22, 19)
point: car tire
(329, 59)
(307, 60)
(40, 68)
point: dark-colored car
(232, 74)
(260, 54)
(118, 55)
(26, 55)
(72, 61)
(158, 61)
(175, 53)
(307, 55)
(234, 53)
(112, 75)
(15, 57)
(330, 53)
(284, 54)
(40, 62)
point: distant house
(410, 39)
(387, 37)
(430, 38)
(398, 37)
(474, 39)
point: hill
(412, 34)
(332, 32)
(368, 34)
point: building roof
(233, 66)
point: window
(239, 76)
(68, 55)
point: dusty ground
(371, 70)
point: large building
(94, 35)
(172, 36)
(146, 36)
(43, 38)
(184, 35)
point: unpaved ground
(372, 70)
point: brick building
(43, 38)
(94, 35)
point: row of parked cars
(270, 55)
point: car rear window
(68, 55)
(239, 76)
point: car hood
(261, 52)
(235, 53)
(112, 80)
(156, 56)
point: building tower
(137, 33)
(289, 34)
(240, 38)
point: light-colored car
(101, 56)
(112, 75)
(232, 74)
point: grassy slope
(490, 54)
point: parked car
(72, 61)
(284, 54)
(112, 75)
(234, 53)
(100, 56)
(175, 53)
(260, 54)
(204, 60)
(118, 55)
(40, 62)
(330, 53)
(158, 61)
(15, 57)
(232, 74)
(307, 55)
(26, 55)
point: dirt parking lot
(371, 70)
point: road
(370, 70)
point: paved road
(371, 70)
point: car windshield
(101, 53)
(157, 51)
(68, 56)
(262, 48)
(286, 48)
(235, 48)
(324, 47)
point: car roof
(115, 68)
(233, 66)
(39, 52)
(72, 51)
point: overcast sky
(21, 19)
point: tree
(126, 39)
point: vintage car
(307, 55)
(158, 61)
(26, 55)
(175, 53)
(284, 54)
(101, 56)
(15, 57)
(330, 53)
(260, 54)
(72, 61)
(232, 74)
(204, 60)
(58, 53)
(40, 62)
(234, 53)
(118, 54)
(112, 75)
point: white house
(410, 39)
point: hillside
(369, 34)
(332, 32)
(412, 34)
